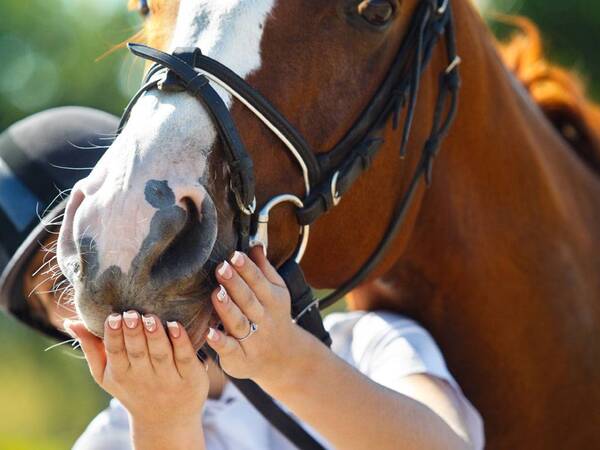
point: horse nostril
(174, 248)
(186, 252)
(67, 251)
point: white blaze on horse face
(169, 135)
(229, 31)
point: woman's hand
(158, 378)
(252, 292)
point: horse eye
(144, 9)
(376, 12)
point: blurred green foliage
(48, 398)
(48, 52)
(571, 32)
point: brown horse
(499, 258)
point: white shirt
(384, 346)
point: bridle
(327, 176)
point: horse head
(147, 228)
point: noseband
(327, 176)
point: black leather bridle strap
(448, 85)
(279, 419)
(399, 91)
(271, 411)
(306, 314)
(254, 98)
(181, 74)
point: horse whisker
(68, 341)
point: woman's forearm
(350, 410)
(160, 437)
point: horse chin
(182, 299)
(196, 318)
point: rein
(327, 176)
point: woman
(385, 385)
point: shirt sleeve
(387, 347)
(109, 430)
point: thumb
(92, 346)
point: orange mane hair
(559, 93)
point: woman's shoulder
(109, 430)
(376, 341)
(372, 325)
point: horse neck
(503, 259)
(509, 226)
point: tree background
(49, 57)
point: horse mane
(559, 92)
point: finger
(92, 347)
(135, 341)
(239, 291)
(159, 347)
(257, 255)
(235, 322)
(224, 345)
(183, 352)
(252, 275)
(115, 344)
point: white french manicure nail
(222, 294)
(225, 270)
(174, 329)
(67, 327)
(114, 321)
(212, 334)
(238, 259)
(149, 323)
(130, 318)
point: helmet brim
(12, 296)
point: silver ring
(251, 331)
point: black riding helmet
(41, 157)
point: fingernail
(173, 328)
(212, 334)
(261, 246)
(238, 259)
(131, 319)
(222, 294)
(149, 323)
(114, 321)
(225, 271)
(67, 327)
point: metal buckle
(453, 65)
(443, 7)
(336, 197)
(261, 237)
(246, 209)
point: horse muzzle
(150, 249)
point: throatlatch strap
(305, 311)
(302, 298)
(271, 411)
